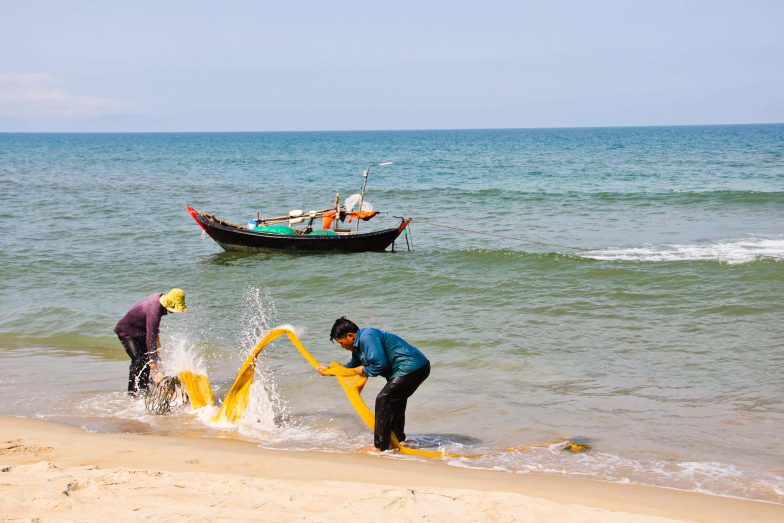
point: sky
(302, 65)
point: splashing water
(259, 313)
(179, 356)
(267, 411)
(267, 408)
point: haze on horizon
(366, 65)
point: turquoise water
(652, 328)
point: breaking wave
(735, 251)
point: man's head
(174, 301)
(344, 332)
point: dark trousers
(391, 406)
(139, 373)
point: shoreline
(71, 473)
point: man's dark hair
(342, 327)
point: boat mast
(362, 193)
(337, 210)
(365, 174)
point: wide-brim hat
(174, 301)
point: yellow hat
(174, 301)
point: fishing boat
(337, 233)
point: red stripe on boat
(195, 216)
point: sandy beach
(572, 212)
(57, 472)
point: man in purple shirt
(138, 332)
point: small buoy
(576, 447)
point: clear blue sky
(243, 65)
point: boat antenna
(365, 174)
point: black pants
(139, 373)
(391, 406)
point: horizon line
(430, 129)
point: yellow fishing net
(234, 405)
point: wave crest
(735, 251)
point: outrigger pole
(278, 219)
(314, 214)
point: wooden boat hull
(233, 237)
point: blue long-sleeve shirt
(385, 354)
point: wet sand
(52, 471)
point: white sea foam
(117, 404)
(266, 408)
(735, 251)
(708, 477)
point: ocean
(620, 286)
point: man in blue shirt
(379, 353)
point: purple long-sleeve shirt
(143, 320)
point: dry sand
(52, 472)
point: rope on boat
(516, 238)
(164, 395)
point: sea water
(621, 286)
